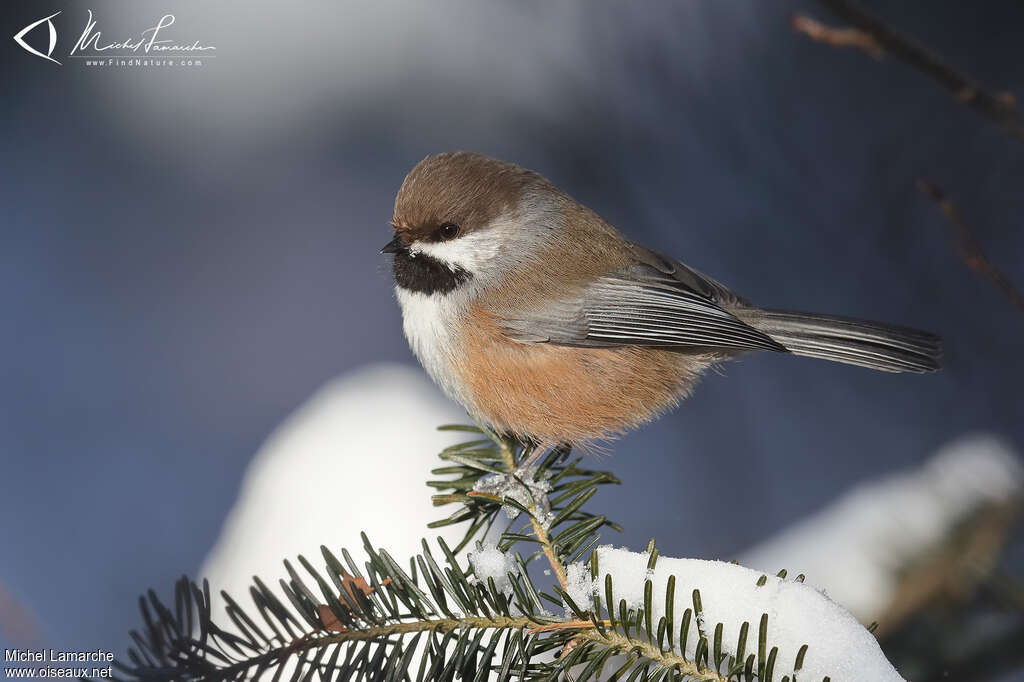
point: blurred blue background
(187, 254)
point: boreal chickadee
(546, 323)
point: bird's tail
(856, 342)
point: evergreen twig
(437, 621)
(538, 524)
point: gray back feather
(653, 302)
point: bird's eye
(448, 231)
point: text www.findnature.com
(144, 61)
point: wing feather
(654, 302)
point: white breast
(430, 324)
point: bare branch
(968, 247)
(1000, 107)
(837, 37)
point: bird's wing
(654, 302)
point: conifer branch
(447, 620)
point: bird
(550, 326)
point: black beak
(396, 245)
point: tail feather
(856, 342)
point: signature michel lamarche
(149, 41)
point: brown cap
(464, 188)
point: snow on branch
(481, 614)
(742, 602)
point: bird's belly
(430, 326)
(560, 394)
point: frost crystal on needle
(524, 488)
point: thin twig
(837, 37)
(538, 528)
(567, 625)
(1000, 107)
(587, 632)
(549, 552)
(968, 247)
(650, 650)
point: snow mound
(857, 548)
(320, 477)
(838, 646)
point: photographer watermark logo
(20, 38)
(150, 47)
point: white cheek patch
(473, 253)
(490, 252)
